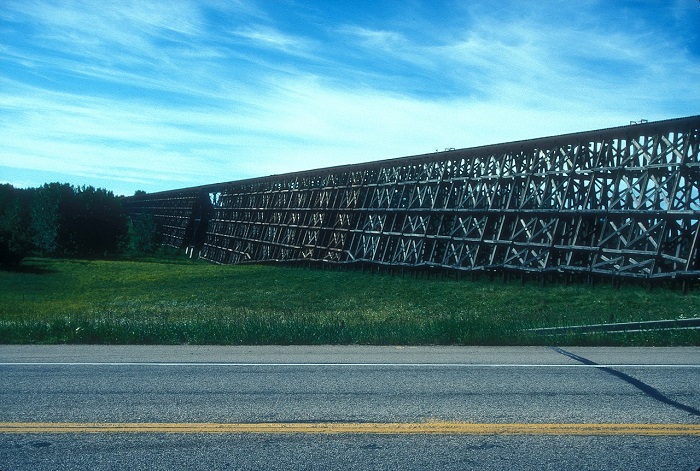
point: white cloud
(154, 95)
(271, 38)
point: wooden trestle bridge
(621, 202)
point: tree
(84, 221)
(58, 219)
(15, 239)
(48, 202)
(93, 223)
(143, 236)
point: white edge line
(335, 365)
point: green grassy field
(185, 302)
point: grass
(186, 302)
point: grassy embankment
(179, 301)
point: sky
(155, 95)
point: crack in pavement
(645, 388)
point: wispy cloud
(267, 37)
(149, 95)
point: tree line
(61, 220)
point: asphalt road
(48, 387)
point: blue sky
(155, 95)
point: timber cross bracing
(620, 202)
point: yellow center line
(416, 428)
